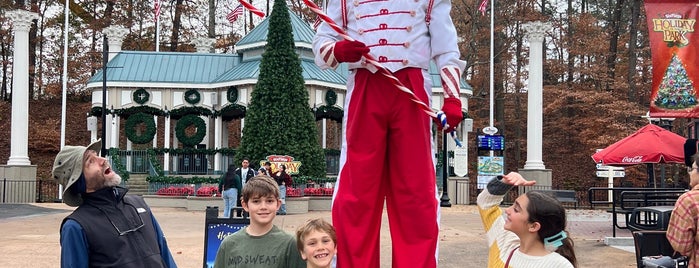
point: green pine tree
(279, 120)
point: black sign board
(216, 229)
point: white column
(129, 158)
(115, 36)
(155, 137)
(218, 122)
(19, 132)
(166, 144)
(204, 44)
(325, 133)
(114, 139)
(535, 33)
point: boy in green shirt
(260, 244)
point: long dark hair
(551, 215)
(230, 173)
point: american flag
(317, 23)
(157, 9)
(483, 7)
(233, 15)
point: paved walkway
(29, 236)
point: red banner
(674, 45)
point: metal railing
(624, 200)
(135, 161)
(28, 191)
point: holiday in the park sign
(674, 45)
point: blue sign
(216, 230)
(491, 142)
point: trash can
(211, 212)
(650, 218)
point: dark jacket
(230, 180)
(283, 177)
(119, 229)
(245, 177)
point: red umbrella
(650, 144)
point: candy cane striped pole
(252, 8)
(385, 72)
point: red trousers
(386, 156)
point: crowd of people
(110, 228)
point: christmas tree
(676, 90)
(279, 120)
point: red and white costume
(387, 153)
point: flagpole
(492, 64)
(65, 88)
(157, 35)
(157, 25)
(65, 76)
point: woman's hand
(516, 179)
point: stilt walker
(387, 153)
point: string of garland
(133, 122)
(154, 162)
(184, 123)
(306, 179)
(329, 112)
(116, 164)
(224, 151)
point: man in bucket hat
(108, 228)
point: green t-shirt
(273, 249)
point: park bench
(563, 196)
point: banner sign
(674, 43)
(461, 161)
(292, 167)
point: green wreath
(192, 96)
(232, 94)
(135, 120)
(184, 123)
(331, 97)
(140, 96)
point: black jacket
(250, 174)
(119, 229)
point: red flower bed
(322, 191)
(207, 191)
(293, 192)
(204, 191)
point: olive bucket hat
(68, 167)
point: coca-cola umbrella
(649, 145)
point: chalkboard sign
(214, 233)
(491, 142)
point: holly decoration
(131, 128)
(676, 90)
(187, 121)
